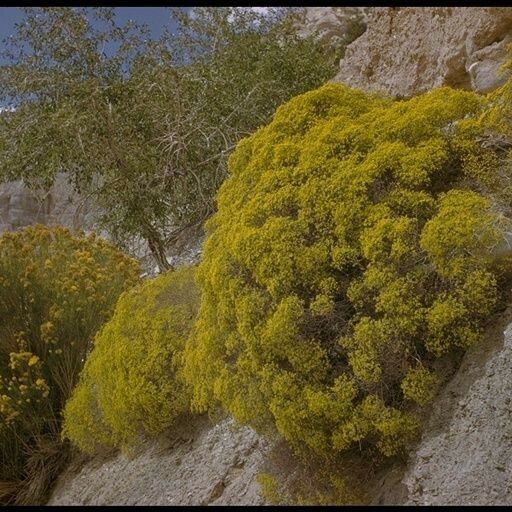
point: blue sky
(155, 17)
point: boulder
(334, 24)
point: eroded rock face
(20, 207)
(410, 50)
(334, 23)
(465, 456)
(198, 464)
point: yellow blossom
(33, 360)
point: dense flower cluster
(352, 247)
(56, 289)
(129, 384)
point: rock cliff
(409, 50)
(335, 24)
(20, 206)
(465, 454)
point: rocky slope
(196, 464)
(463, 458)
(464, 455)
(409, 50)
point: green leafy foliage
(129, 384)
(56, 290)
(141, 127)
(351, 248)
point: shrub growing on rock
(351, 248)
(56, 289)
(128, 385)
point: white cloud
(263, 11)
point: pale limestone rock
(464, 457)
(334, 23)
(20, 206)
(465, 453)
(409, 50)
(195, 464)
(484, 65)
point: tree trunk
(157, 248)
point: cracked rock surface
(196, 464)
(410, 50)
(465, 456)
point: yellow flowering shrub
(310, 488)
(420, 385)
(56, 290)
(129, 384)
(352, 246)
(492, 130)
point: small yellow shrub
(56, 290)
(269, 487)
(310, 486)
(420, 385)
(128, 385)
(352, 246)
